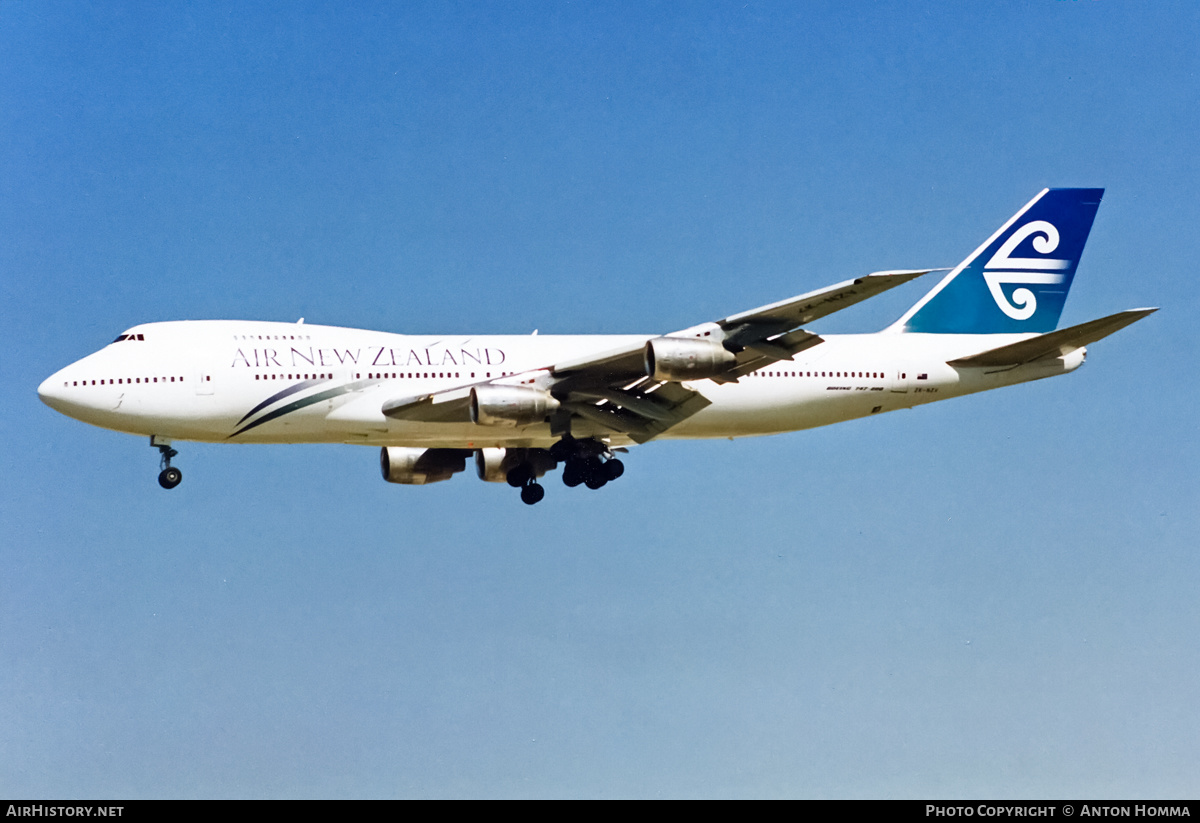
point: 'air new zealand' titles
(522, 405)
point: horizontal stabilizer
(1055, 343)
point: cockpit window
(130, 337)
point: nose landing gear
(169, 477)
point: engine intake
(683, 358)
(416, 467)
(510, 405)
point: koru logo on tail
(1024, 270)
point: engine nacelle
(510, 405)
(684, 358)
(416, 467)
(493, 465)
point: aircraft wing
(450, 406)
(759, 336)
(615, 390)
(758, 324)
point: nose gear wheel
(169, 477)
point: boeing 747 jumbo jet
(521, 405)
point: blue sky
(993, 596)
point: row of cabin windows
(377, 376)
(425, 375)
(108, 381)
(442, 375)
(272, 337)
(429, 375)
(871, 375)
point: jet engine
(510, 405)
(416, 467)
(684, 358)
(494, 465)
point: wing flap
(758, 355)
(643, 411)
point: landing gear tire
(170, 476)
(519, 475)
(593, 473)
(585, 464)
(532, 493)
(572, 474)
(613, 469)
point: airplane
(521, 405)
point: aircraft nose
(50, 391)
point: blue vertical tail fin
(1018, 280)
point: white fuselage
(263, 382)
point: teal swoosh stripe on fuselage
(292, 389)
(300, 404)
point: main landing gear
(169, 477)
(592, 471)
(585, 462)
(523, 476)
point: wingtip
(1142, 312)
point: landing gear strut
(169, 477)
